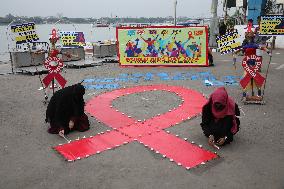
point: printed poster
(72, 38)
(229, 42)
(24, 34)
(272, 25)
(162, 46)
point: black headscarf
(64, 104)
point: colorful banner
(23, 34)
(229, 42)
(72, 38)
(272, 25)
(162, 46)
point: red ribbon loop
(54, 66)
(55, 76)
(149, 132)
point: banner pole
(53, 86)
(266, 75)
(43, 88)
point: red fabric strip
(90, 146)
(180, 151)
(149, 131)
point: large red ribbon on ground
(252, 71)
(150, 132)
(54, 66)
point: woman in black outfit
(65, 111)
(219, 121)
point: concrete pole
(175, 12)
(226, 12)
(213, 24)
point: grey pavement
(253, 161)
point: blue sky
(101, 8)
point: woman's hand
(211, 140)
(61, 133)
(221, 141)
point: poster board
(72, 38)
(162, 46)
(271, 25)
(229, 42)
(24, 35)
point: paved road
(253, 160)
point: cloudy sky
(100, 8)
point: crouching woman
(65, 111)
(219, 121)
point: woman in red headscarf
(219, 121)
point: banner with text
(162, 46)
(229, 42)
(72, 38)
(24, 34)
(272, 25)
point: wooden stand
(254, 100)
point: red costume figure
(250, 25)
(53, 40)
(252, 64)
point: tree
(38, 20)
(9, 18)
(272, 7)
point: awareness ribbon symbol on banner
(81, 37)
(252, 71)
(149, 132)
